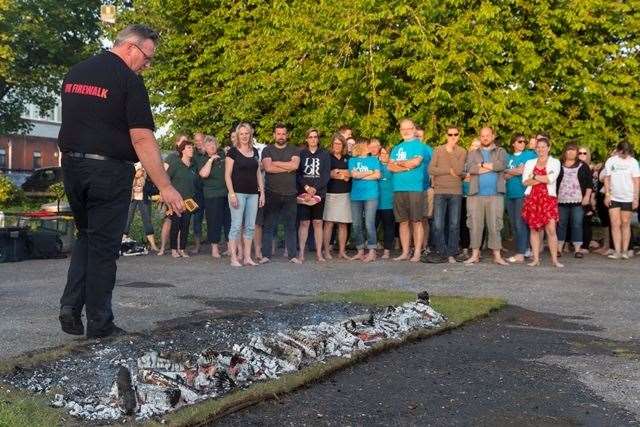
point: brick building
(36, 149)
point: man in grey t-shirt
(280, 162)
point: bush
(10, 194)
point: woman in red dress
(540, 208)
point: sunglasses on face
(520, 141)
(582, 153)
(453, 134)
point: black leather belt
(93, 156)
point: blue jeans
(573, 213)
(368, 208)
(446, 223)
(519, 228)
(244, 216)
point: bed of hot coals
(144, 377)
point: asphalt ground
(599, 295)
(505, 370)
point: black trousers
(179, 227)
(218, 218)
(284, 208)
(386, 218)
(99, 192)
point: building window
(37, 160)
(3, 158)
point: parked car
(17, 177)
(41, 179)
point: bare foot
(371, 256)
(183, 254)
(160, 252)
(385, 254)
(235, 263)
(472, 260)
(295, 261)
(414, 259)
(558, 265)
(343, 255)
(320, 259)
(358, 256)
(264, 260)
(249, 261)
(402, 257)
(175, 253)
(328, 255)
(534, 263)
(500, 261)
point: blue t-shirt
(411, 180)
(487, 182)
(364, 189)
(428, 155)
(385, 200)
(515, 187)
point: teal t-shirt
(515, 187)
(426, 159)
(411, 180)
(385, 200)
(487, 182)
(364, 189)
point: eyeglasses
(582, 153)
(147, 58)
(520, 141)
(453, 134)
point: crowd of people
(436, 205)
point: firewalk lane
(518, 367)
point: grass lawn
(19, 408)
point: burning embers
(163, 381)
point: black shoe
(434, 258)
(70, 322)
(114, 332)
(461, 257)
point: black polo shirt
(102, 98)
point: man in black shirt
(280, 161)
(106, 126)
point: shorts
(260, 217)
(308, 213)
(428, 203)
(409, 206)
(337, 208)
(623, 206)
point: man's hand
(172, 199)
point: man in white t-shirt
(621, 186)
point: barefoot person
(384, 216)
(211, 170)
(621, 185)
(246, 193)
(365, 173)
(485, 202)
(312, 179)
(540, 208)
(337, 207)
(107, 126)
(406, 164)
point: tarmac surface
(598, 296)
(499, 371)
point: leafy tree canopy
(567, 67)
(39, 41)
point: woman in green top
(211, 170)
(183, 178)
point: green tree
(567, 67)
(39, 41)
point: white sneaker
(527, 254)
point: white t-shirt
(622, 171)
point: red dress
(539, 207)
